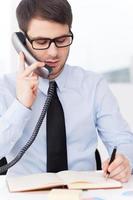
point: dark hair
(52, 10)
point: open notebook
(70, 179)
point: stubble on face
(54, 57)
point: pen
(111, 160)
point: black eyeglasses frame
(50, 41)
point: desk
(126, 193)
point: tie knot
(52, 87)
(53, 84)
(55, 88)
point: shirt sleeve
(12, 123)
(111, 126)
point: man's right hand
(27, 82)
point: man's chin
(55, 73)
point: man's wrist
(23, 104)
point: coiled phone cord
(35, 132)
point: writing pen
(111, 160)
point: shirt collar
(60, 80)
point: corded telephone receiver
(19, 43)
(18, 40)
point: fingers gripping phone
(19, 43)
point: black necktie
(56, 136)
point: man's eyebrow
(41, 37)
(37, 38)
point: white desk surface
(126, 193)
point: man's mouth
(52, 64)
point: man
(89, 106)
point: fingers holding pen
(109, 167)
(119, 169)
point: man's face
(53, 56)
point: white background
(103, 31)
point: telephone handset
(19, 43)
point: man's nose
(52, 50)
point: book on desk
(71, 179)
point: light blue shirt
(89, 109)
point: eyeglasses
(44, 43)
